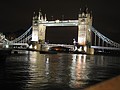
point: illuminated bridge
(34, 37)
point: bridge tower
(38, 29)
(84, 31)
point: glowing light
(57, 21)
(81, 40)
(85, 48)
(7, 46)
(89, 30)
(47, 60)
(30, 46)
(48, 48)
(80, 49)
(35, 47)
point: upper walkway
(60, 23)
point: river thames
(62, 71)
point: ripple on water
(56, 71)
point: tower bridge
(83, 23)
(84, 43)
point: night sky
(17, 14)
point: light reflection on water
(78, 71)
(56, 71)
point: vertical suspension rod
(95, 40)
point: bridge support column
(102, 43)
(88, 50)
(95, 40)
(99, 41)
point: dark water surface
(34, 71)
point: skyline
(17, 15)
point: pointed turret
(86, 11)
(91, 14)
(45, 18)
(80, 12)
(33, 15)
(40, 14)
(35, 18)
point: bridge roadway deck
(105, 48)
(20, 44)
(67, 46)
(26, 49)
(71, 46)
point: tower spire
(45, 17)
(91, 14)
(80, 11)
(40, 14)
(86, 10)
(33, 15)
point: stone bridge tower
(84, 31)
(38, 29)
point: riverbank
(112, 84)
